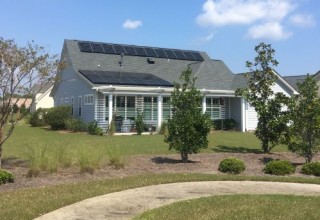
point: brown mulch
(138, 165)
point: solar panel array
(91, 47)
(124, 78)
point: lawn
(30, 203)
(25, 137)
(239, 207)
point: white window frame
(66, 99)
(89, 99)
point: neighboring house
(103, 80)
(293, 80)
(41, 96)
(21, 101)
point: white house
(103, 79)
(41, 96)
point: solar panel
(198, 57)
(140, 51)
(108, 48)
(124, 78)
(129, 50)
(92, 47)
(160, 53)
(97, 48)
(150, 52)
(170, 54)
(179, 54)
(85, 47)
(118, 48)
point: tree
(20, 69)
(272, 118)
(304, 138)
(188, 129)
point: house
(41, 96)
(102, 80)
(20, 102)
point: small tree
(20, 69)
(268, 105)
(188, 128)
(304, 138)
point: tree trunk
(0, 156)
(265, 147)
(184, 157)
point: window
(150, 108)
(213, 107)
(166, 108)
(79, 106)
(88, 99)
(72, 102)
(66, 99)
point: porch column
(159, 111)
(110, 108)
(243, 115)
(204, 105)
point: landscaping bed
(137, 165)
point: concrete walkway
(129, 203)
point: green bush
(6, 177)
(312, 168)
(116, 158)
(93, 128)
(227, 124)
(75, 125)
(163, 128)
(37, 118)
(140, 126)
(56, 117)
(232, 165)
(279, 167)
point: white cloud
(205, 39)
(225, 12)
(130, 24)
(303, 20)
(270, 30)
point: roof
(293, 80)
(212, 74)
(42, 88)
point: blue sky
(225, 29)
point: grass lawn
(30, 203)
(239, 207)
(25, 137)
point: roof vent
(122, 59)
(151, 60)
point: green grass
(239, 207)
(30, 203)
(33, 137)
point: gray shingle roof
(41, 88)
(293, 80)
(212, 74)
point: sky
(227, 30)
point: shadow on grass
(14, 161)
(266, 160)
(231, 149)
(164, 160)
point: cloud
(303, 20)
(263, 18)
(205, 39)
(226, 12)
(270, 30)
(129, 24)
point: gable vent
(151, 60)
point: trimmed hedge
(312, 168)
(6, 177)
(226, 124)
(232, 165)
(279, 167)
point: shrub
(56, 117)
(75, 125)
(163, 128)
(312, 168)
(226, 124)
(232, 165)
(93, 128)
(37, 160)
(88, 161)
(279, 167)
(37, 118)
(6, 177)
(140, 126)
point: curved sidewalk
(129, 203)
